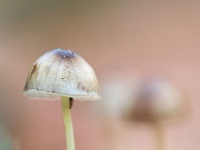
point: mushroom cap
(156, 99)
(62, 73)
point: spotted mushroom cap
(61, 73)
(156, 99)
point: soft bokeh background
(127, 37)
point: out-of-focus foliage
(6, 142)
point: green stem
(68, 123)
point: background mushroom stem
(159, 136)
(68, 123)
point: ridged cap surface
(62, 73)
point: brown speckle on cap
(26, 86)
(34, 68)
(81, 87)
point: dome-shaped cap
(62, 73)
(156, 99)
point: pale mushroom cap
(156, 100)
(62, 73)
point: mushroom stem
(68, 123)
(160, 136)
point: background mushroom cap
(156, 99)
(61, 73)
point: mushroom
(65, 74)
(156, 101)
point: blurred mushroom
(62, 73)
(156, 101)
(116, 89)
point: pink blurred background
(132, 38)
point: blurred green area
(23, 9)
(16, 11)
(6, 140)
